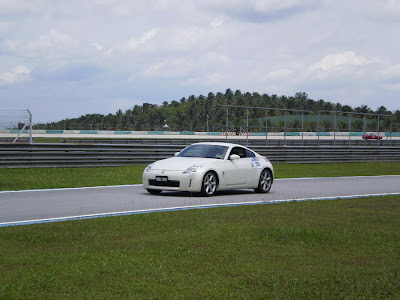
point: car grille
(169, 183)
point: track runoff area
(55, 205)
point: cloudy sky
(65, 58)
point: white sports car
(209, 167)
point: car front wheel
(209, 184)
(265, 181)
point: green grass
(37, 178)
(317, 249)
(342, 249)
(337, 169)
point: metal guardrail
(11, 140)
(86, 155)
(250, 142)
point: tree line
(209, 113)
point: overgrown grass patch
(37, 178)
(317, 249)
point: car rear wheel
(265, 181)
(154, 192)
(209, 184)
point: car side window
(239, 151)
(250, 153)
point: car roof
(219, 144)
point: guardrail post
(349, 129)
(266, 127)
(319, 131)
(302, 127)
(379, 143)
(334, 128)
(30, 126)
(284, 131)
(247, 128)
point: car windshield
(206, 151)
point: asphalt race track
(41, 206)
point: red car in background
(371, 137)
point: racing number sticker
(255, 163)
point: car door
(239, 172)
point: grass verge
(317, 249)
(39, 178)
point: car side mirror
(176, 153)
(234, 156)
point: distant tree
(191, 113)
(347, 108)
(238, 94)
(382, 110)
(229, 96)
(175, 103)
(363, 109)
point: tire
(265, 181)
(209, 184)
(154, 192)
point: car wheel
(209, 185)
(265, 182)
(154, 192)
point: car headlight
(192, 169)
(148, 168)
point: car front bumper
(176, 181)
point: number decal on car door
(255, 163)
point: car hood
(180, 163)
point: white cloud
(13, 7)
(385, 10)
(17, 74)
(336, 61)
(280, 74)
(268, 6)
(261, 10)
(156, 68)
(174, 68)
(124, 9)
(392, 87)
(215, 57)
(133, 43)
(186, 66)
(217, 22)
(208, 80)
(53, 44)
(5, 26)
(391, 72)
(193, 41)
(98, 46)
